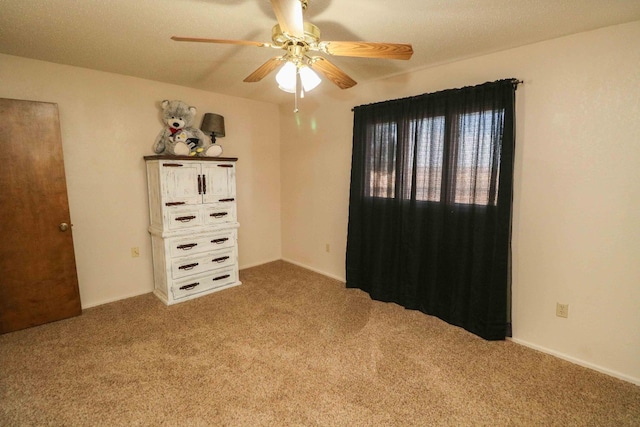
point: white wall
(108, 123)
(576, 225)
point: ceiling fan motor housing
(311, 36)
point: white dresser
(192, 204)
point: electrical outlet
(562, 310)
(327, 248)
(135, 252)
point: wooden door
(38, 279)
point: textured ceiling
(133, 37)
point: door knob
(63, 226)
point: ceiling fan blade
(289, 16)
(198, 40)
(368, 50)
(264, 69)
(333, 73)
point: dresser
(194, 226)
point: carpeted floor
(289, 347)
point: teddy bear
(178, 137)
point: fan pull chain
(298, 87)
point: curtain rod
(515, 83)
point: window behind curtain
(475, 180)
(430, 204)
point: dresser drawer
(220, 213)
(222, 258)
(188, 266)
(184, 246)
(183, 218)
(201, 283)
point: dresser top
(200, 159)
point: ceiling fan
(298, 38)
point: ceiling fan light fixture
(309, 78)
(286, 77)
(287, 89)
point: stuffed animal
(178, 137)
(182, 137)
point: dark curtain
(430, 204)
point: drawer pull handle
(199, 184)
(226, 200)
(221, 259)
(188, 266)
(221, 277)
(189, 287)
(187, 246)
(225, 166)
(174, 203)
(185, 218)
(219, 214)
(220, 241)
(172, 165)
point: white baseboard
(109, 300)
(580, 362)
(255, 264)
(315, 270)
(121, 297)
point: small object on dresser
(213, 125)
(178, 137)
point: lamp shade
(213, 124)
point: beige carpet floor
(289, 347)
